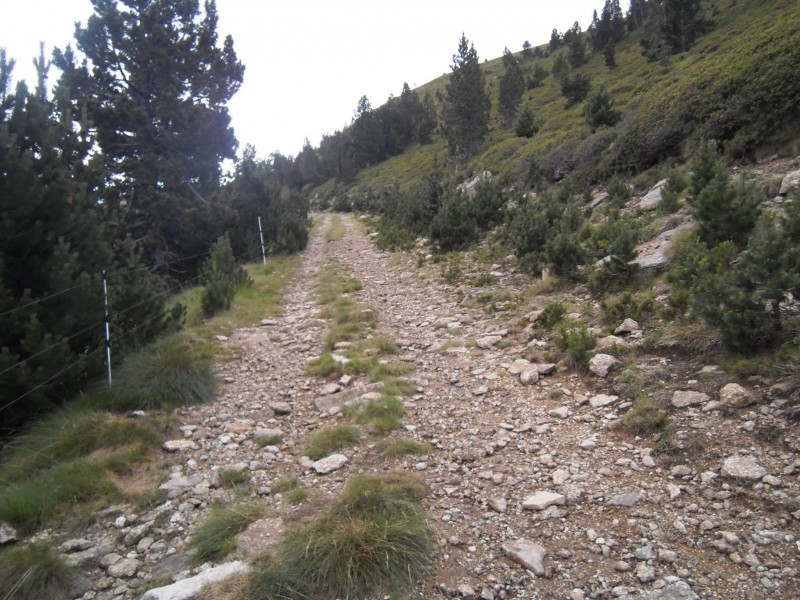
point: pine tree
(576, 48)
(156, 85)
(600, 109)
(512, 86)
(527, 124)
(466, 103)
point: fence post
(261, 234)
(108, 337)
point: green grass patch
(285, 484)
(383, 414)
(70, 464)
(215, 538)
(296, 496)
(166, 374)
(267, 440)
(332, 285)
(263, 299)
(396, 386)
(231, 478)
(34, 572)
(402, 446)
(328, 440)
(372, 541)
(335, 231)
(386, 371)
(645, 417)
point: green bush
(454, 226)
(165, 374)
(328, 440)
(552, 314)
(577, 344)
(222, 276)
(373, 541)
(34, 572)
(215, 538)
(645, 417)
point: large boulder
(652, 199)
(791, 182)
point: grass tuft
(402, 446)
(372, 541)
(215, 538)
(328, 440)
(645, 417)
(233, 478)
(382, 414)
(34, 572)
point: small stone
(561, 412)
(8, 534)
(329, 464)
(680, 470)
(481, 391)
(127, 567)
(682, 399)
(330, 388)
(742, 467)
(645, 572)
(560, 476)
(281, 408)
(498, 504)
(601, 400)
(488, 341)
(179, 445)
(627, 326)
(648, 461)
(622, 566)
(528, 554)
(529, 377)
(76, 545)
(679, 590)
(589, 443)
(602, 364)
(542, 500)
(546, 368)
(626, 500)
(733, 396)
(643, 553)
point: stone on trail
(627, 326)
(488, 341)
(601, 400)
(330, 388)
(602, 364)
(7, 534)
(528, 554)
(682, 398)
(679, 590)
(189, 588)
(742, 467)
(179, 445)
(735, 396)
(626, 499)
(281, 408)
(541, 500)
(329, 464)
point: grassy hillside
(739, 84)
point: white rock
(528, 554)
(7, 533)
(561, 412)
(684, 398)
(329, 464)
(191, 587)
(179, 445)
(627, 326)
(541, 500)
(790, 182)
(602, 364)
(742, 467)
(601, 400)
(735, 396)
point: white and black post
(261, 234)
(105, 319)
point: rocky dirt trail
(533, 491)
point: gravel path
(522, 463)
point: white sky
(307, 62)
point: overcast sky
(307, 62)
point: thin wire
(32, 356)
(48, 380)
(37, 301)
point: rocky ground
(535, 492)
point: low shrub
(552, 314)
(577, 344)
(330, 439)
(371, 542)
(383, 414)
(215, 538)
(402, 446)
(645, 417)
(34, 572)
(165, 374)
